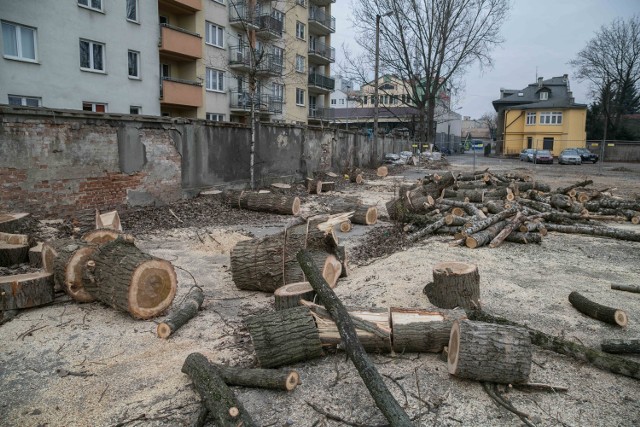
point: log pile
(486, 209)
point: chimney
(540, 81)
(571, 98)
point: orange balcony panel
(180, 44)
(183, 5)
(181, 94)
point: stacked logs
(486, 209)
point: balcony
(241, 103)
(270, 65)
(269, 27)
(318, 113)
(320, 22)
(321, 53)
(322, 2)
(180, 93)
(179, 43)
(242, 17)
(181, 7)
(319, 83)
(240, 58)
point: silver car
(569, 157)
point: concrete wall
(56, 76)
(617, 151)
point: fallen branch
(597, 311)
(627, 288)
(187, 310)
(630, 346)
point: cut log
(179, 317)
(271, 379)
(485, 223)
(365, 215)
(289, 296)
(513, 224)
(422, 331)
(565, 190)
(35, 256)
(627, 288)
(524, 238)
(597, 311)
(25, 290)
(630, 346)
(265, 202)
(14, 239)
(12, 222)
(345, 226)
(110, 220)
(102, 235)
(593, 230)
(284, 337)
(487, 352)
(455, 284)
(599, 359)
(70, 260)
(426, 230)
(11, 254)
(224, 409)
(7, 315)
(125, 278)
(382, 171)
(326, 186)
(367, 370)
(483, 237)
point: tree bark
(630, 346)
(125, 278)
(627, 288)
(13, 222)
(518, 237)
(600, 360)
(224, 409)
(507, 230)
(426, 230)
(284, 337)
(565, 190)
(272, 379)
(263, 202)
(66, 259)
(594, 230)
(487, 352)
(597, 311)
(485, 223)
(35, 256)
(102, 235)
(455, 284)
(25, 290)
(289, 296)
(179, 317)
(372, 379)
(483, 237)
(11, 254)
(422, 331)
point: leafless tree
(611, 63)
(429, 44)
(490, 119)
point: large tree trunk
(597, 311)
(67, 259)
(372, 379)
(224, 409)
(180, 316)
(455, 284)
(123, 277)
(25, 290)
(263, 202)
(488, 352)
(422, 331)
(284, 337)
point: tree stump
(101, 235)
(455, 284)
(12, 254)
(179, 317)
(597, 311)
(284, 337)
(382, 171)
(12, 222)
(488, 352)
(68, 264)
(128, 279)
(35, 256)
(25, 290)
(289, 296)
(422, 331)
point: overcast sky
(540, 34)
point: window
(19, 42)
(25, 101)
(544, 95)
(91, 56)
(165, 71)
(278, 55)
(300, 63)
(164, 20)
(299, 30)
(278, 91)
(95, 107)
(551, 118)
(300, 97)
(342, 102)
(531, 118)
(215, 80)
(333, 102)
(214, 35)
(135, 109)
(132, 10)
(547, 144)
(364, 100)
(91, 4)
(215, 117)
(134, 64)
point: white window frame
(300, 94)
(219, 2)
(18, 28)
(91, 67)
(88, 4)
(300, 30)
(213, 34)
(277, 90)
(333, 101)
(24, 100)
(219, 80)
(300, 63)
(94, 105)
(139, 107)
(544, 95)
(531, 119)
(137, 54)
(215, 117)
(136, 9)
(551, 118)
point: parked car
(542, 156)
(569, 156)
(586, 155)
(524, 154)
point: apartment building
(92, 55)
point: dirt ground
(70, 364)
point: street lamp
(375, 89)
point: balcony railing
(322, 50)
(319, 16)
(270, 26)
(322, 2)
(180, 92)
(179, 42)
(240, 56)
(243, 100)
(270, 64)
(318, 113)
(242, 14)
(322, 81)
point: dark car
(587, 156)
(542, 156)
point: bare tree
(490, 119)
(429, 44)
(611, 63)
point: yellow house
(543, 115)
